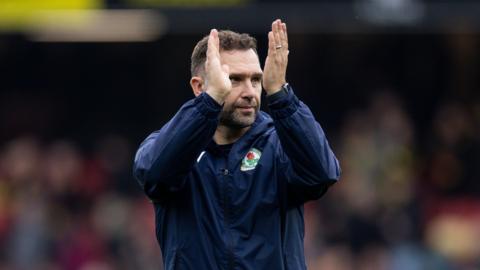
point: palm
(269, 73)
(217, 75)
(275, 69)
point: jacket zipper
(226, 211)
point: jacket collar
(240, 148)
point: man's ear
(197, 84)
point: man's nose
(248, 90)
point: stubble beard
(235, 119)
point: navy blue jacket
(243, 210)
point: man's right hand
(218, 82)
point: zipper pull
(225, 171)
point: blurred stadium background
(395, 84)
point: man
(228, 181)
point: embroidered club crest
(251, 159)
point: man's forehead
(241, 61)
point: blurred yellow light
(185, 3)
(134, 25)
(25, 5)
(20, 14)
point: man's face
(243, 102)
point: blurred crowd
(406, 200)
(64, 208)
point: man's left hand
(275, 69)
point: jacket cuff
(207, 106)
(283, 103)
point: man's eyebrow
(243, 75)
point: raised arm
(166, 156)
(308, 162)
(306, 159)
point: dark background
(82, 90)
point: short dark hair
(229, 41)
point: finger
(211, 44)
(276, 33)
(285, 35)
(278, 27)
(281, 34)
(212, 63)
(271, 43)
(216, 40)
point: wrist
(276, 89)
(219, 98)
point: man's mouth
(246, 109)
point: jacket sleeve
(166, 156)
(306, 159)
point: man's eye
(256, 81)
(234, 79)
